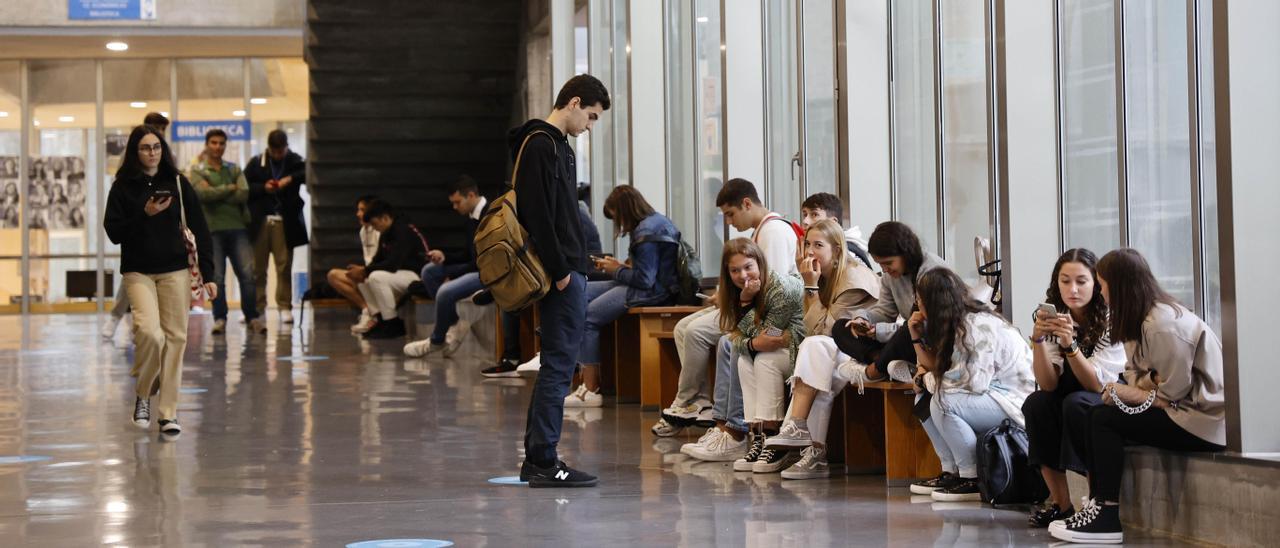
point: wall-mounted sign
(237, 130)
(111, 10)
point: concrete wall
(169, 13)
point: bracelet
(919, 341)
(1151, 398)
(1040, 340)
(751, 344)
(811, 288)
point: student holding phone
(761, 313)
(148, 205)
(1073, 358)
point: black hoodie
(547, 198)
(153, 244)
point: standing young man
(223, 192)
(547, 205)
(276, 222)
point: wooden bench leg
(649, 361)
(909, 453)
(864, 431)
(668, 371)
(626, 357)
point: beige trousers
(159, 304)
(270, 241)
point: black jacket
(547, 198)
(287, 202)
(154, 244)
(401, 247)
(470, 259)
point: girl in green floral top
(763, 313)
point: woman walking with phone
(150, 208)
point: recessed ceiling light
(289, 130)
(138, 104)
(66, 119)
(36, 123)
(117, 46)
(164, 113)
(258, 101)
(237, 113)
(4, 114)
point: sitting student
(822, 206)
(1073, 359)
(978, 368)
(835, 285)
(647, 279)
(1172, 396)
(401, 253)
(764, 319)
(338, 279)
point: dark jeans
(1050, 444)
(563, 314)
(510, 336)
(1108, 429)
(865, 349)
(234, 245)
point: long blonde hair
(728, 295)
(831, 233)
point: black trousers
(1050, 443)
(1108, 429)
(869, 350)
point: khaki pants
(160, 303)
(270, 241)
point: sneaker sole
(766, 468)
(170, 429)
(787, 443)
(535, 483)
(504, 374)
(708, 457)
(666, 433)
(787, 474)
(583, 405)
(682, 422)
(952, 497)
(922, 490)
(1090, 538)
(743, 466)
(527, 373)
(141, 424)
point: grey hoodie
(897, 297)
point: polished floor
(312, 437)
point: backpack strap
(515, 169)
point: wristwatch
(1071, 350)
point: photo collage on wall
(56, 192)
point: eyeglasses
(157, 148)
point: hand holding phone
(1046, 311)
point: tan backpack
(504, 255)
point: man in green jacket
(223, 192)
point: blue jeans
(606, 301)
(434, 275)
(562, 314)
(958, 419)
(234, 245)
(447, 297)
(510, 336)
(728, 397)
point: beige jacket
(1183, 357)
(856, 291)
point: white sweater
(998, 363)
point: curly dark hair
(1096, 325)
(946, 302)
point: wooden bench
(646, 366)
(882, 435)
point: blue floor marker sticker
(301, 358)
(508, 480)
(20, 459)
(401, 543)
(192, 390)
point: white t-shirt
(369, 242)
(778, 241)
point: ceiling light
(703, 19)
(36, 123)
(164, 113)
(138, 104)
(117, 46)
(237, 113)
(4, 114)
(66, 119)
(289, 130)
(258, 101)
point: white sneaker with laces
(583, 398)
(812, 465)
(855, 373)
(424, 347)
(531, 367)
(707, 436)
(366, 323)
(722, 448)
(902, 371)
(286, 316)
(664, 429)
(109, 327)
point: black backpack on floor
(1004, 476)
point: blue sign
(111, 10)
(237, 130)
(401, 543)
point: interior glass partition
(915, 168)
(783, 158)
(965, 115)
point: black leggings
(1107, 430)
(865, 349)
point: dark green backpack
(688, 270)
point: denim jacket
(652, 277)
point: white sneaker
(707, 436)
(531, 367)
(424, 347)
(812, 465)
(286, 316)
(109, 327)
(256, 325)
(219, 327)
(366, 323)
(664, 429)
(583, 398)
(902, 371)
(854, 372)
(722, 448)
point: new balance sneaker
(1097, 524)
(365, 323)
(387, 329)
(854, 372)
(219, 327)
(109, 326)
(505, 368)
(1042, 517)
(422, 348)
(720, 447)
(964, 490)
(748, 461)
(559, 475)
(812, 465)
(774, 459)
(664, 429)
(941, 481)
(583, 398)
(790, 435)
(286, 316)
(141, 412)
(170, 426)
(531, 367)
(902, 371)
(256, 325)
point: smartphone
(773, 332)
(702, 296)
(1047, 311)
(161, 193)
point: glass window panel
(279, 99)
(821, 169)
(915, 160)
(602, 133)
(10, 278)
(130, 89)
(210, 90)
(782, 187)
(683, 133)
(580, 66)
(965, 146)
(707, 94)
(1090, 160)
(10, 177)
(1208, 168)
(1158, 134)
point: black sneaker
(1095, 524)
(170, 426)
(1044, 516)
(747, 462)
(773, 460)
(505, 368)
(964, 490)
(559, 475)
(482, 297)
(387, 329)
(141, 412)
(941, 481)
